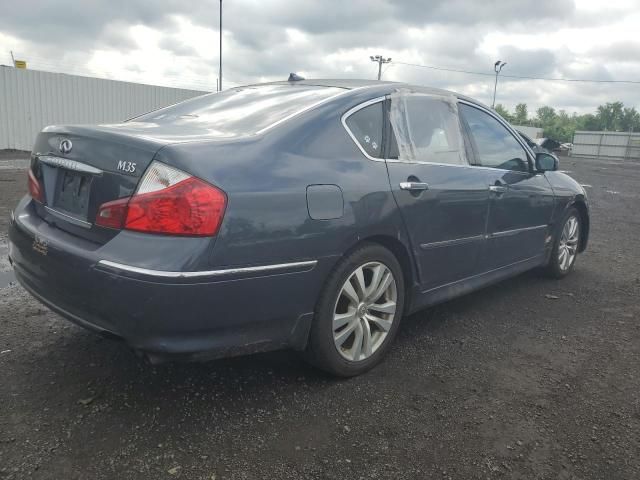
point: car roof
(345, 83)
(380, 87)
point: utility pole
(13, 60)
(497, 67)
(220, 68)
(380, 60)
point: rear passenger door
(443, 200)
(521, 201)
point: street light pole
(220, 67)
(497, 67)
(380, 60)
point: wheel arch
(402, 254)
(583, 210)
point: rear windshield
(241, 111)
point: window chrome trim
(68, 164)
(353, 110)
(360, 106)
(437, 164)
(275, 268)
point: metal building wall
(532, 132)
(614, 145)
(31, 100)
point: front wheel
(358, 312)
(565, 246)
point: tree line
(561, 126)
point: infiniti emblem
(65, 146)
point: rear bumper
(192, 314)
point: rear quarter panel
(266, 178)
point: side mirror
(545, 162)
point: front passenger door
(521, 201)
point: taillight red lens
(190, 207)
(35, 189)
(112, 214)
(168, 201)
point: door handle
(497, 189)
(414, 186)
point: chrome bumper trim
(276, 268)
(68, 218)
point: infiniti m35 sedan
(310, 215)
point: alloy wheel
(568, 247)
(364, 311)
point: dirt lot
(505, 383)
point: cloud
(175, 42)
(625, 51)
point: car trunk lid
(82, 167)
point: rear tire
(565, 245)
(358, 312)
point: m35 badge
(127, 167)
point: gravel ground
(531, 378)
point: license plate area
(72, 193)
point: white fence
(31, 100)
(614, 145)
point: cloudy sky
(175, 42)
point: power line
(387, 68)
(523, 77)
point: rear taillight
(35, 188)
(167, 201)
(113, 214)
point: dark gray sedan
(309, 215)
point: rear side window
(366, 127)
(426, 129)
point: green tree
(630, 120)
(588, 122)
(521, 116)
(561, 126)
(545, 116)
(503, 112)
(610, 115)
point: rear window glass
(366, 127)
(241, 111)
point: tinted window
(497, 148)
(366, 127)
(426, 129)
(240, 111)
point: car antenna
(294, 77)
